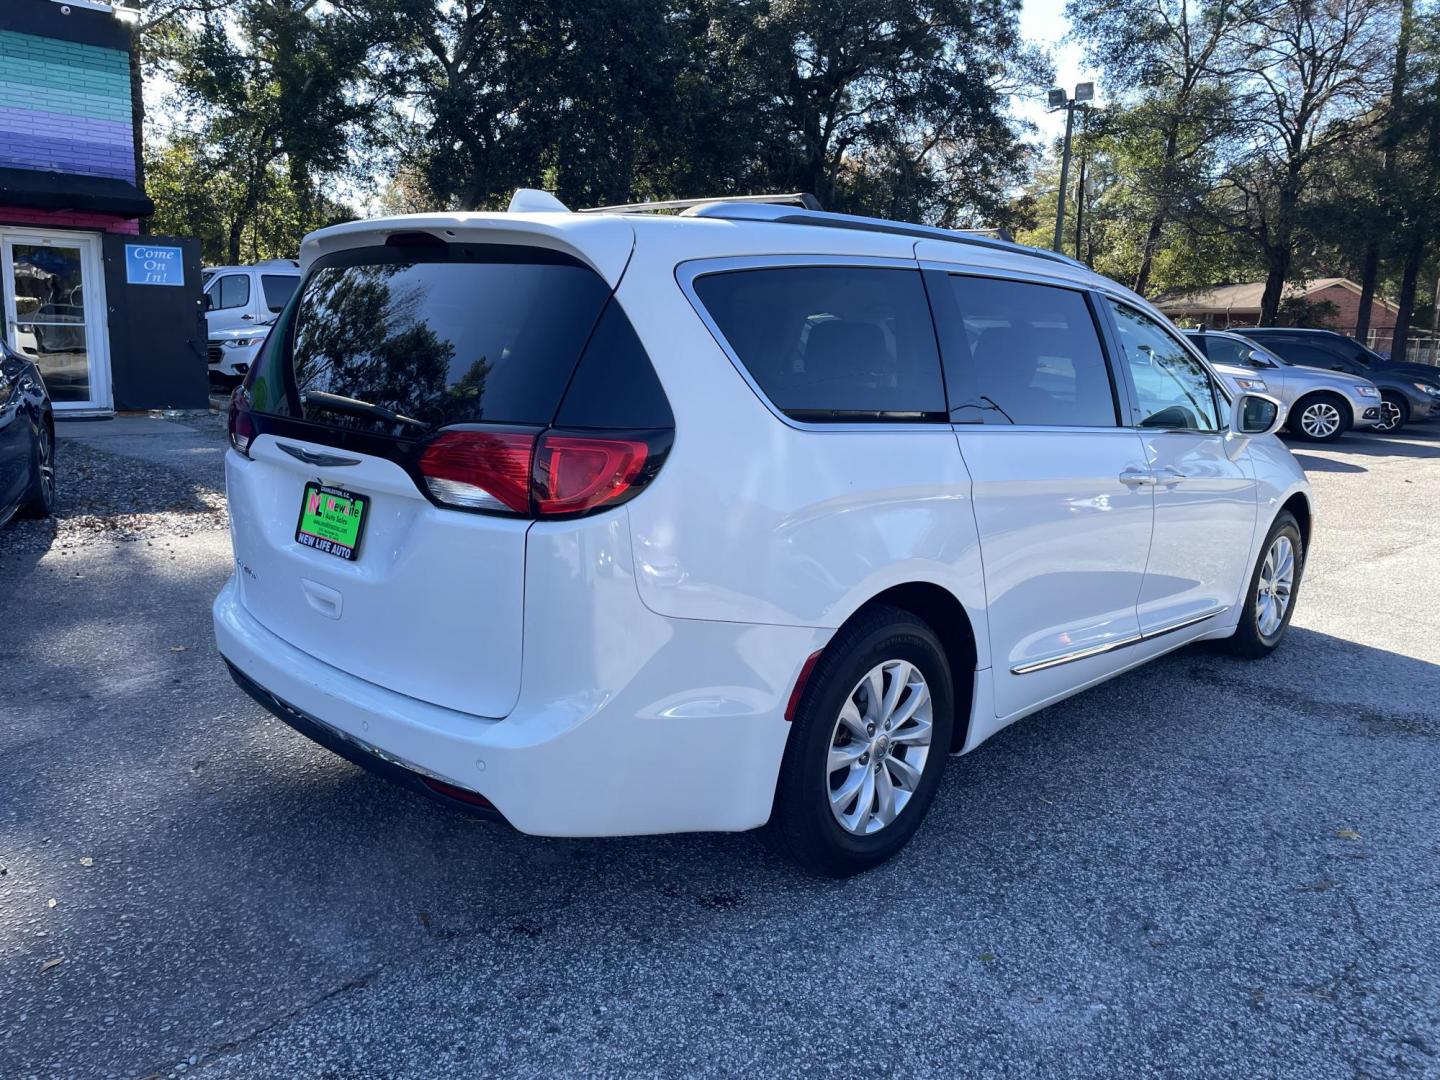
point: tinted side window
(832, 342)
(1030, 355)
(1224, 350)
(232, 291)
(278, 289)
(1173, 388)
(1302, 352)
(615, 385)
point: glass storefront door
(54, 311)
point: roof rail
(726, 210)
(798, 198)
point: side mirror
(1258, 359)
(1254, 414)
(208, 303)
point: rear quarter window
(831, 343)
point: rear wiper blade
(339, 403)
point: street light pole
(1064, 174)
(1060, 100)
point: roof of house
(1246, 297)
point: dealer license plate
(332, 520)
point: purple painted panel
(67, 155)
(53, 124)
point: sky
(1042, 22)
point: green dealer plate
(331, 520)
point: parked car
(243, 297)
(1408, 391)
(611, 523)
(1320, 405)
(27, 439)
(231, 353)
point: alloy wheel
(1320, 420)
(1277, 582)
(47, 467)
(879, 746)
(1390, 416)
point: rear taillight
(576, 473)
(240, 423)
(480, 470)
(554, 474)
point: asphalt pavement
(1202, 868)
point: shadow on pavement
(1176, 832)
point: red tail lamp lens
(575, 473)
(480, 470)
(240, 423)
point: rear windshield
(436, 333)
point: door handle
(1169, 475)
(1137, 477)
(247, 318)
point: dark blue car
(27, 439)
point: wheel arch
(943, 612)
(1299, 505)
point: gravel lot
(1204, 868)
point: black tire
(1401, 412)
(1319, 400)
(40, 499)
(1249, 641)
(802, 824)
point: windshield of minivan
(440, 334)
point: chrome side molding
(1111, 646)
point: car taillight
(554, 474)
(480, 470)
(240, 423)
(575, 473)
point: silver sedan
(1321, 405)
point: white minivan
(620, 522)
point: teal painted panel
(62, 77)
(71, 54)
(92, 106)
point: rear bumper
(691, 741)
(354, 750)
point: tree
(907, 90)
(1417, 170)
(271, 86)
(197, 194)
(1181, 59)
(1316, 69)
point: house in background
(112, 317)
(1334, 302)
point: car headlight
(239, 343)
(1257, 385)
(1427, 388)
(1366, 391)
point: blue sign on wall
(148, 264)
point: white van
(614, 522)
(243, 297)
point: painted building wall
(64, 107)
